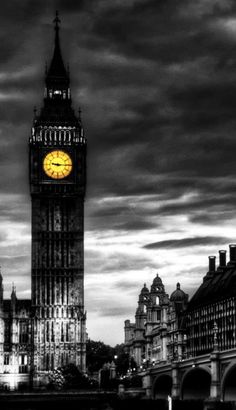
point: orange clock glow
(57, 164)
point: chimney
(212, 263)
(232, 253)
(222, 259)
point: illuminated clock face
(57, 164)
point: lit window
(23, 360)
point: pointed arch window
(52, 361)
(67, 332)
(62, 332)
(47, 361)
(47, 332)
(52, 332)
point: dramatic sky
(156, 81)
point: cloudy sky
(156, 81)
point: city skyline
(156, 85)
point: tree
(73, 376)
(123, 361)
(70, 377)
(98, 353)
(56, 380)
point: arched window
(47, 361)
(52, 361)
(62, 332)
(52, 332)
(67, 332)
(47, 331)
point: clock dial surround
(57, 164)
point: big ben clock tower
(57, 185)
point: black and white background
(156, 81)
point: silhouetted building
(49, 331)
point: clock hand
(59, 165)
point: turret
(13, 300)
(141, 312)
(179, 298)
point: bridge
(208, 376)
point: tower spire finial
(56, 21)
(57, 68)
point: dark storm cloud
(123, 217)
(135, 225)
(198, 204)
(141, 65)
(14, 211)
(154, 138)
(214, 217)
(166, 31)
(186, 242)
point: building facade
(188, 349)
(49, 331)
(214, 306)
(158, 334)
(15, 340)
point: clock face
(57, 164)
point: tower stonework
(57, 153)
